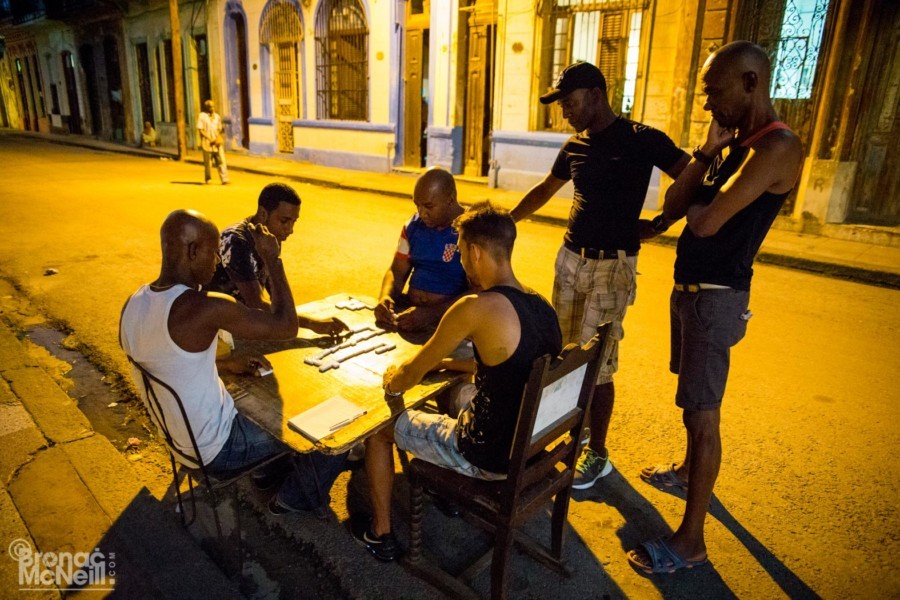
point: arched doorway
(281, 32)
(237, 71)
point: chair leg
(558, 523)
(416, 510)
(240, 536)
(503, 541)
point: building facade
(379, 85)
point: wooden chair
(194, 469)
(555, 402)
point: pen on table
(347, 421)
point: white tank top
(144, 334)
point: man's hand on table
(384, 313)
(415, 318)
(386, 382)
(331, 326)
(243, 364)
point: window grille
(342, 71)
(604, 33)
(794, 48)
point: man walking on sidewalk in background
(170, 327)
(610, 161)
(212, 142)
(427, 256)
(730, 193)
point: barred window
(605, 33)
(342, 69)
(796, 48)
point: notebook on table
(325, 418)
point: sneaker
(279, 508)
(590, 467)
(267, 481)
(383, 547)
(357, 453)
(448, 507)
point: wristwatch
(700, 157)
(658, 224)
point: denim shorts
(432, 438)
(705, 325)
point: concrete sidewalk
(66, 490)
(858, 253)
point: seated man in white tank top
(170, 328)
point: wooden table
(295, 386)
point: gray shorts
(705, 325)
(432, 438)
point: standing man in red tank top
(730, 194)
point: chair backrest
(555, 402)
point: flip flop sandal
(665, 477)
(663, 559)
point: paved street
(806, 502)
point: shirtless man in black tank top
(730, 194)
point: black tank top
(726, 258)
(485, 429)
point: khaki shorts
(588, 292)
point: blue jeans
(249, 444)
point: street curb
(310, 180)
(874, 277)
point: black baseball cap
(576, 76)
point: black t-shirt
(726, 258)
(240, 261)
(611, 173)
(484, 431)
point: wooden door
(243, 78)
(876, 197)
(71, 93)
(413, 99)
(478, 96)
(286, 94)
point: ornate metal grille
(282, 31)
(342, 71)
(793, 46)
(281, 23)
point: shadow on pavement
(453, 543)
(187, 183)
(786, 579)
(643, 522)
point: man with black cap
(609, 161)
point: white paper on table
(325, 418)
